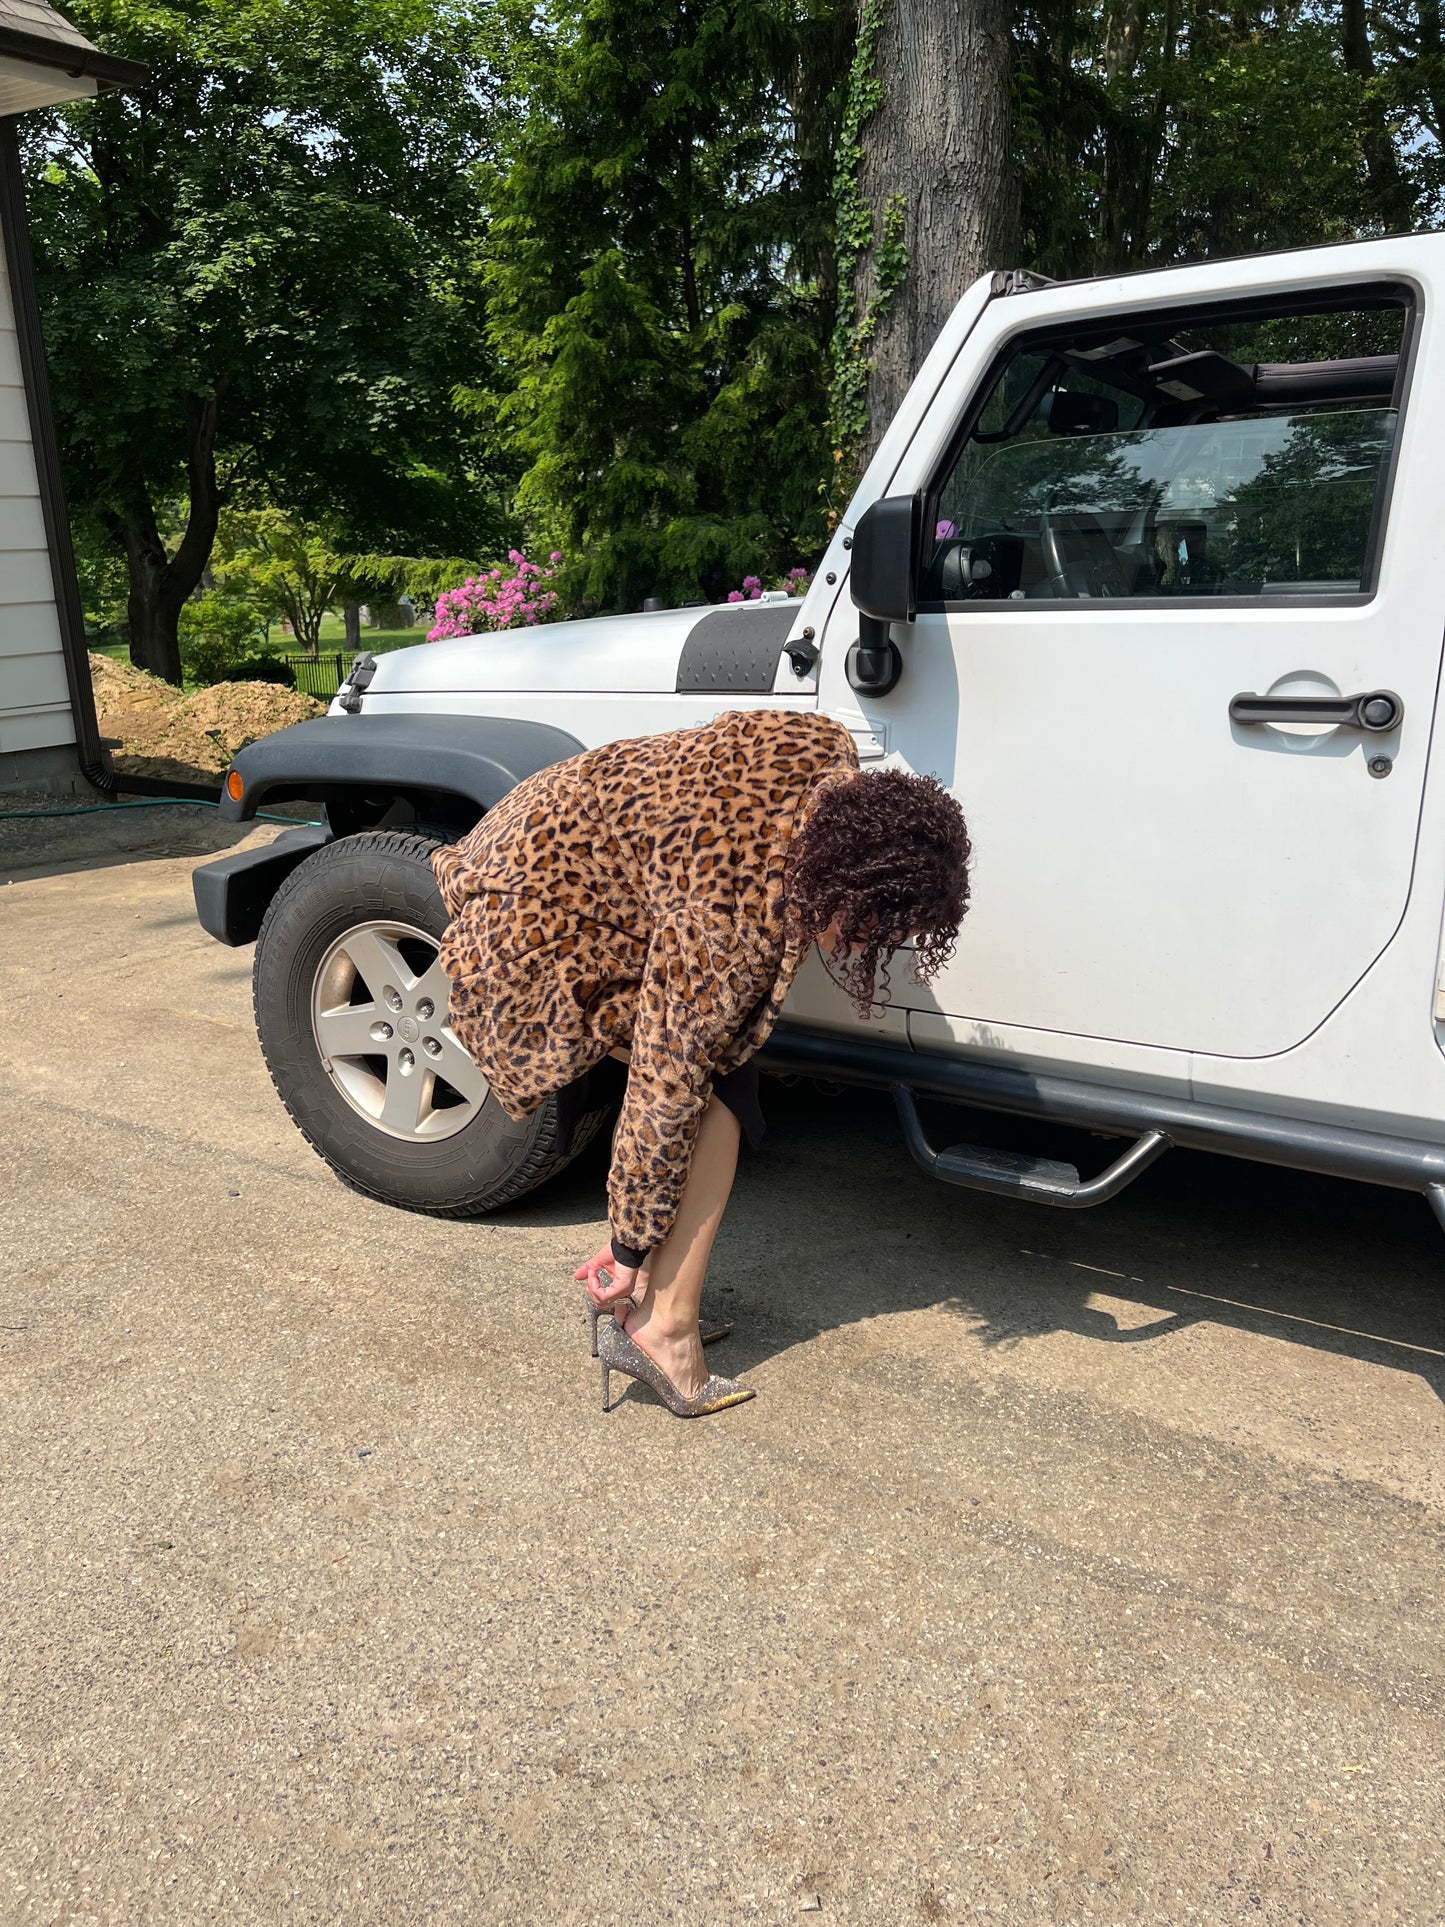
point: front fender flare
(475, 758)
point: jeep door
(1146, 502)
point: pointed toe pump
(710, 1333)
(618, 1353)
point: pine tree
(661, 287)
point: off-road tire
(385, 874)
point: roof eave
(109, 72)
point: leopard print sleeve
(703, 976)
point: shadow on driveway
(51, 844)
(831, 1223)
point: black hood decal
(735, 651)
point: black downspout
(15, 228)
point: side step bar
(1305, 1144)
(1014, 1174)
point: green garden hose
(151, 803)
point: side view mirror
(887, 544)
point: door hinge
(871, 739)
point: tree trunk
(1424, 59)
(1135, 131)
(815, 86)
(351, 616)
(1125, 24)
(306, 622)
(160, 584)
(1393, 203)
(936, 152)
(153, 607)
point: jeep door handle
(1378, 710)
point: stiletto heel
(606, 1385)
(710, 1333)
(619, 1354)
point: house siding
(35, 712)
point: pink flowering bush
(498, 601)
(795, 582)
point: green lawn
(320, 680)
(333, 636)
(378, 641)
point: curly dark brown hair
(887, 854)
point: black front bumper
(233, 893)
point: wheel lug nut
(406, 1063)
(380, 1033)
(431, 1047)
(393, 998)
(426, 1008)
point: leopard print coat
(634, 896)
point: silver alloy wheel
(381, 1027)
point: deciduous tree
(253, 277)
(292, 568)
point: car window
(1167, 463)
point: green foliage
(207, 660)
(661, 289)
(1306, 516)
(219, 632)
(101, 574)
(1264, 147)
(258, 275)
(381, 287)
(1147, 132)
(658, 310)
(264, 668)
(424, 578)
(289, 568)
(224, 621)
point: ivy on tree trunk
(926, 191)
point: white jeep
(1151, 571)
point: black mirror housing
(886, 551)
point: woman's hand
(608, 1282)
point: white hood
(604, 654)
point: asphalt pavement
(1067, 1568)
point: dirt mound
(180, 738)
(118, 686)
(238, 713)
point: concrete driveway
(1065, 1569)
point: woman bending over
(654, 899)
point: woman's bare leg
(666, 1326)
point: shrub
(262, 669)
(218, 633)
(795, 582)
(496, 601)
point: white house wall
(34, 695)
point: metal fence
(320, 675)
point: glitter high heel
(618, 1353)
(710, 1333)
